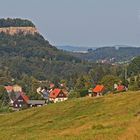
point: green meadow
(111, 117)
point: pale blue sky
(92, 23)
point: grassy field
(112, 117)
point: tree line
(17, 22)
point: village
(19, 99)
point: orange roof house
(121, 88)
(57, 95)
(15, 88)
(9, 88)
(98, 90)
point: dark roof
(36, 102)
(25, 97)
(17, 95)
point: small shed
(36, 103)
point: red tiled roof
(121, 88)
(25, 97)
(55, 93)
(99, 88)
(9, 88)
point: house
(13, 92)
(58, 95)
(98, 90)
(21, 100)
(14, 88)
(17, 88)
(44, 92)
(36, 103)
(121, 88)
(9, 89)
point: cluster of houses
(99, 90)
(18, 99)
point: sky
(91, 23)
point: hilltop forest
(17, 22)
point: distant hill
(115, 53)
(75, 48)
(30, 54)
(79, 119)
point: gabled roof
(25, 97)
(9, 88)
(98, 88)
(55, 93)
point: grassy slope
(106, 118)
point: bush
(74, 94)
(134, 87)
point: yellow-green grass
(112, 117)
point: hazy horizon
(90, 23)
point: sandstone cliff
(16, 30)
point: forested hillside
(117, 53)
(31, 55)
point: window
(20, 105)
(20, 100)
(16, 105)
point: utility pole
(125, 72)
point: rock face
(16, 30)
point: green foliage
(134, 87)
(134, 67)
(74, 94)
(4, 96)
(109, 80)
(134, 84)
(120, 54)
(5, 109)
(33, 56)
(83, 92)
(17, 22)
(78, 93)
